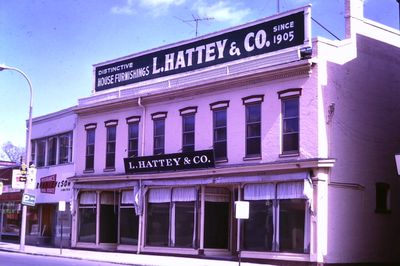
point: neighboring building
(52, 154)
(305, 131)
(10, 204)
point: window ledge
(289, 154)
(109, 169)
(221, 161)
(252, 158)
(88, 171)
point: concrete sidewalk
(121, 258)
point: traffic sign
(28, 200)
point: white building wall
(362, 82)
(271, 123)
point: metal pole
(28, 150)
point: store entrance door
(48, 223)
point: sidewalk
(121, 258)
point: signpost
(241, 212)
(61, 209)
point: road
(18, 259)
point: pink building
(303, 130)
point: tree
(12, 152)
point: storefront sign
(170, 162)
(18, 181)
(259, 38)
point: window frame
(133, 140)
(111, 144)
(285, 96)
(188, 113)
(220, 106)
(159, 117)
(90, 146)
(248, 102)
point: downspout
(140, 180)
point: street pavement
(121, 258)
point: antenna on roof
(196, 20)
(278, 6)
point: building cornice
(228, 170)
(115, 100)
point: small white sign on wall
(61, 206)
(242, 209)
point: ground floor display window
(171, 217)
(10, 218)
(128, 220)
(108, 217)
(279, 217)
(216, 220)
(87, 217)
(118, 222)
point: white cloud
(154, 7)
(127, 9)
(223, 11)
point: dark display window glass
(259, 228)
(87, 224)
(291, 225)
(158, 224)
(129, 224)
(184, 224)
(108, 217)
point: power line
(322, 26)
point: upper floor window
(188, 128)
(52, 150)
(253, 125)
(133, 136)
(159, 132)
(41, 152)
(111, 143)
(65, 148)
(220, 129)
(290, 120)
(90, 141)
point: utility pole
(398, 1)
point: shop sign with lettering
(252, 39)
(170, 162)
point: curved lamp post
(28, 149)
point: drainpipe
(140, 180)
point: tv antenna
(196, 20)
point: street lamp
(28, 149)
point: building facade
(52, 154)
(300, 129)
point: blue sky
(56, 42)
